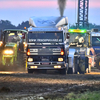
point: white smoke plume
(62, 4)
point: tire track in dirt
(21, 83)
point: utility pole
(82, 18)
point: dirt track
(18, 86)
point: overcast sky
(21, 10)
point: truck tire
(30, 71)
(63, 71)
(21, 61)
(82, 69)
(70, 71)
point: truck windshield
(53, 37)
(78, 40)
(95, 41)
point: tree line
(90, 26)
(6, 24)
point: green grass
(82, 96)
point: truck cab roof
(51, 21)
(13, 30)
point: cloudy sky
(21, 10)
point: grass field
(83, 96)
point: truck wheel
(82, 69)
(70, 71)
(30, 71)
(63, 71)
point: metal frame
(82, 19)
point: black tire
(30, 71)
(76, 59)
(63, 71)
(82, 66)
(88, 66)
(70, 71)
(82, 69)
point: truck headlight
(60, 59)
(33, 66)
(30, 59)
(8, 52)
(57, 66)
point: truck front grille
(45, 58)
